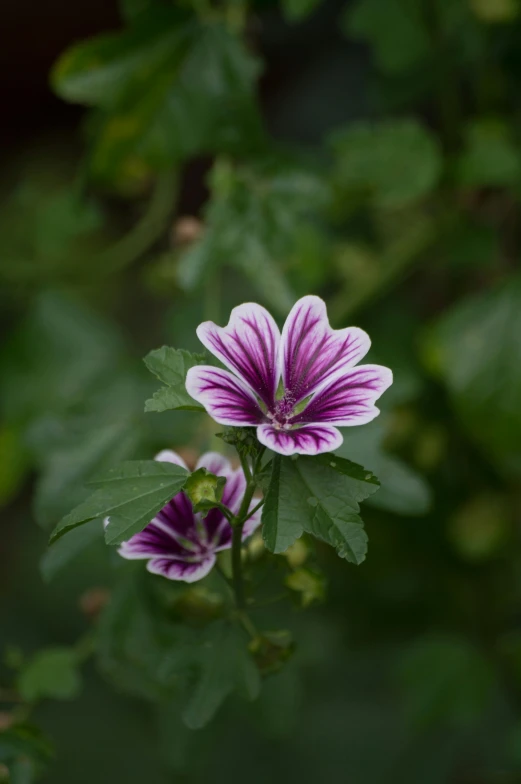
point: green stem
(245, 469)
(243, 514)
(238, 525)
(226, 512)
(237, 577)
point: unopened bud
(204, 489)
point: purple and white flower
(181, 544)
(321, 387)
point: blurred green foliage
(405, 218)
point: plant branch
(256, 508)
(238, 524)
(226, 512)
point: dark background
(410, 671)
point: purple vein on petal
(226, 398)
(312, 352)
(249, 346)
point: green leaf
(296, 10)
(167, 87)
(171, 366)
(106, 70)
(252, 224)
(396, 30)
(130, 495)
(491, 158)
(402, 491)
(445, 680)
(319, 495)
(225, 666)
(51, 673)
(474, 348)
(393, 163)
(68, 548)
(204, 489)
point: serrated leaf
(402, 490)
(319, 495)
(171, 366)
(225, 666)
(392, 163)
(130, 495)
(169, 86)
(50, 673)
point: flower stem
(238, 525)
(237, 576)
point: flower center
(283, 411)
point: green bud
(204, 489)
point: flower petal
(217, 526)
(312, 439)
(312, 352)
(160, 538)
(215, 463)
(226, 398)
(249, 346)
(173, 569)
(234, 490)
(253, 522)
(169, 456)
(223, 538)
(349, 398)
